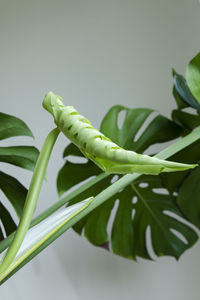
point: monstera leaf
(123, 222)
(186, 94)
(21, 156)
(191, 205)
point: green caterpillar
(101, 150)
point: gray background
(95, 54)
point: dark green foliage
(141, 205)
(11, 126)
(189, 197)
(14, 191)
(21, 156)
(8, 223)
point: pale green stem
(31, 199)
(164, 154)
(112, 190)
(126, 179)
(68, 198)
(5, 243)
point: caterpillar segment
(100, 149)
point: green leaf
(189, 155)
(193, 76)
(124, 136)
(186, 120)
(7, 221)
(180, 103)
(168, 131)
(128, 237)
(78, 174)
(14, 191)
(128, 232)
(21, 156)
(134, 119)
(173, 181)
(184, 91)
(71, 149)
(11, 126)
(188, 197)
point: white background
(94, 54)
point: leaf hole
(180, 219)
(135, 200)
(155, 148)
(144, 126)
(190, 110)
(121, 118)
(175, 194)
(133, 214)
(143, 185)
(111, 219)
(77, 159)
(149, 245)
(179, 235)
(3, 229)
(160, 191)
(114, 178)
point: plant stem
(180, 144)
(109, 192)
(31, 199)
(68, 197)
(164, 154)
(5, 243)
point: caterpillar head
(51, 101)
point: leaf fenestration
(130, 223)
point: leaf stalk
(31, 199)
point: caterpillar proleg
(101, 150)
